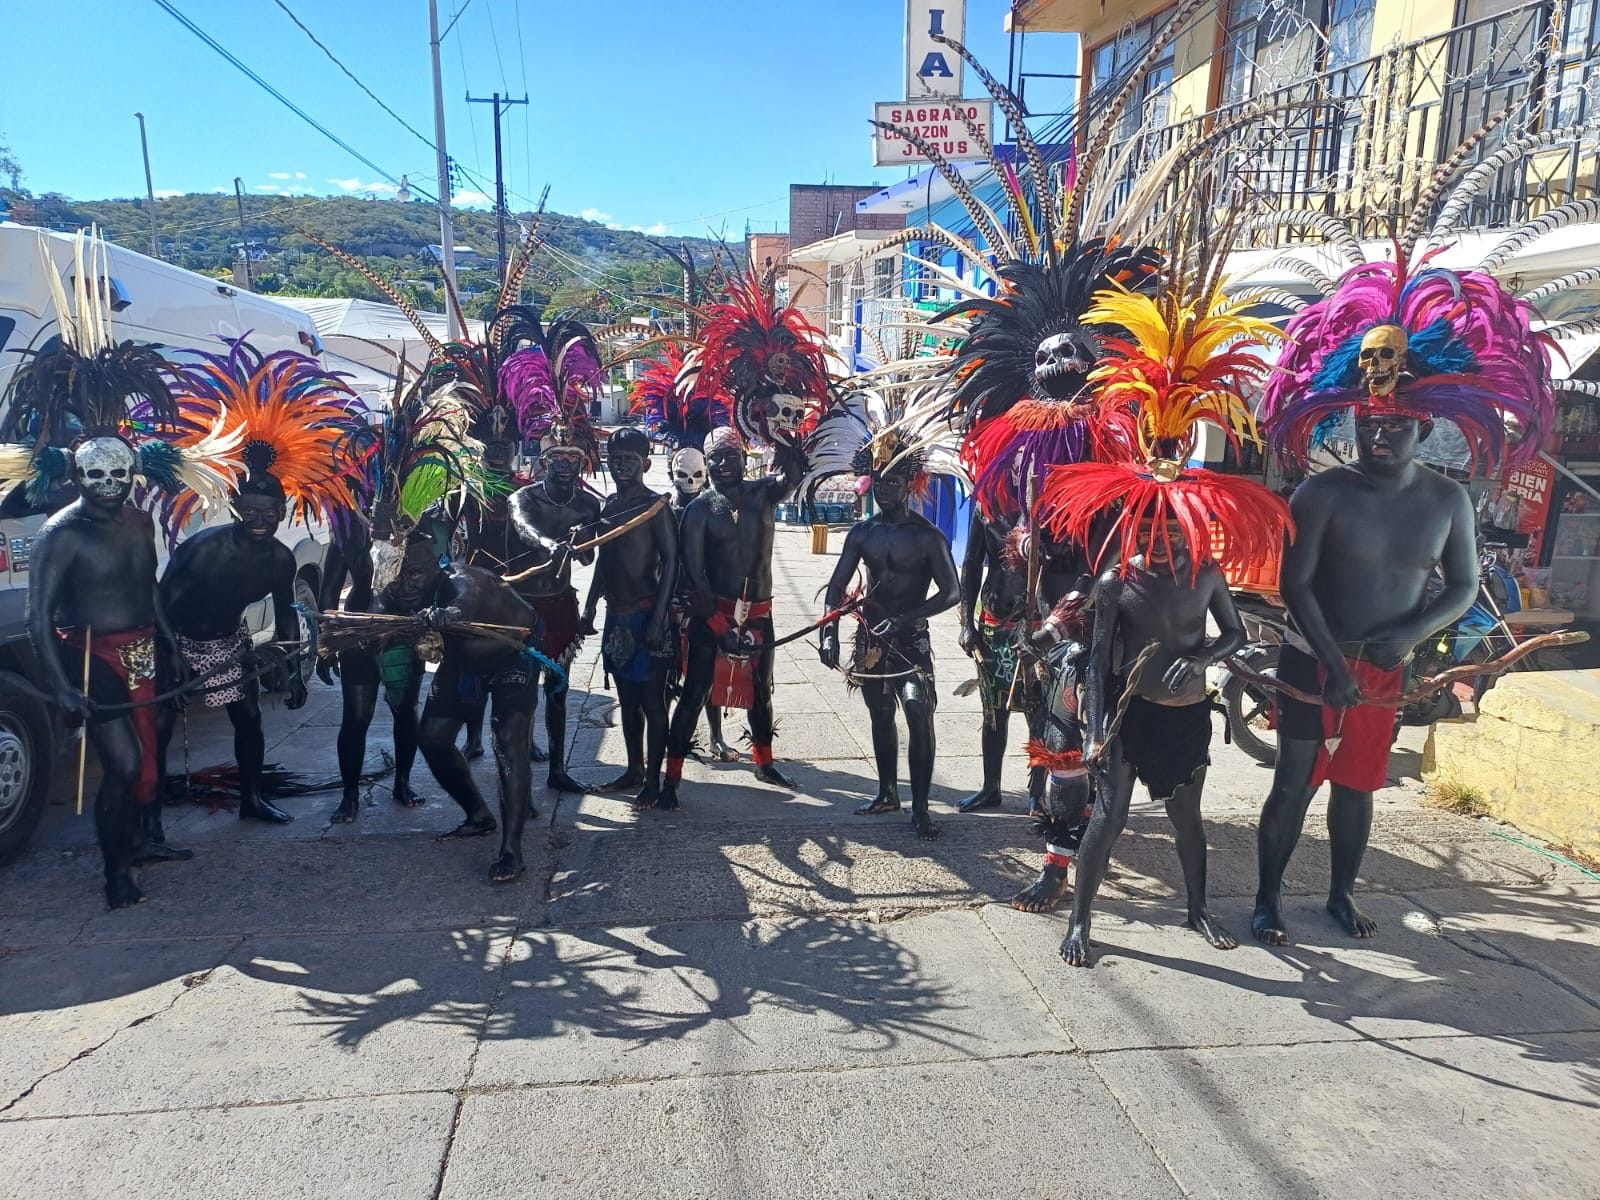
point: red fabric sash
(1360, 738)
(106, 648)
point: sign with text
(937, 122)
(932, 68)
(1532, 485)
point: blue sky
(669, 115)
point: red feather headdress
(757, 354)
(1181, 363)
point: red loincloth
(129, 656)
(560, 616)
(733, 680)
(1356, 741)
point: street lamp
(149, 190)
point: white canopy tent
(366, 340)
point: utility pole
(149, 190)
(244, 241)
(447, 233)
(499, 174)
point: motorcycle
(1482, 633)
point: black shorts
(1165, 744)
(458, 695)
(1297, 719)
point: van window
(8, 326)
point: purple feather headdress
(550, 384)
(1471, 356)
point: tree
(10, 168)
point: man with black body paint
(726, 560)
(636, 573)
(1356, 583)
(210, 580)
(904, 556)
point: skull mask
(103, 468)
(1383, 356)
(1060, 364)
(784, 413)
(689, 472)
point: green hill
(598, 273)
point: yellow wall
(1396, 21)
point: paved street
(764, 995)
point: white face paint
(103, 468)
(689, 471)
(386, 558)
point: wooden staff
(631, 523)
(83, 739)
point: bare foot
(1075, 947)
(1356, 923)
(121, 892)
(406, 798)
(628, 781)
(1211, 929)
(883, 802)
(667, 801)
(922, 824)
(506, 868)
(471, 827)
(985, 798)
(648, 797)
(535, 754)
(769, 773)
(722, 752)
(254, 808)
(560, 781)
(473, 749)
(347, 812)
(1266, 925)
(1044, 893)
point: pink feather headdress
(1470, 355)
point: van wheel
(306, 597)
(25, 762)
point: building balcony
(1363, 142)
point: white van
(153, 302)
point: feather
(985, 221)
(1422, 209)
(1548, 222)
(383, 286)
(1481, 175)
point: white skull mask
(785, 412)
(103, 467)
(689, 471)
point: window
(885, 276)
(1271, 44)
(1109, 64)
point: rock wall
(1531, 752)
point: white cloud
(596, 215)
(357, 184)
(656, 230)
(286, 174)
(470, 199)
(168, 193)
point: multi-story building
(1349, 107)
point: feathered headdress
(1021, 375)
(85, 384)
(549, 376)
(769, 361)
(1421, 342)
(423, 452)
(868, 431)
(671, 396)
(1183, 361)
(295, 421)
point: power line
(334, 58)
(495, 38)
(234, 61)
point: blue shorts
(622, 648)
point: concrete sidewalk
(764, 995)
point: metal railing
(1362, 142)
